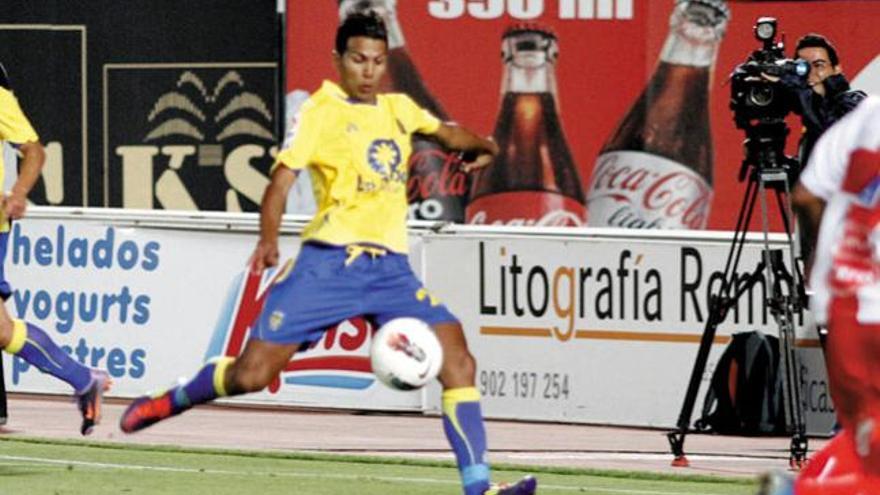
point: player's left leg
(33, 345)
(5, 294)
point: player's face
(820, 66)
(361, 67)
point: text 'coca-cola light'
(533, 180)
(655, 172)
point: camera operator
(825, 96)
(822, 99)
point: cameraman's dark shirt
(818, 113)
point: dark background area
(41, 44)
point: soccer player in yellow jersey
(17, 337)
(355, 143)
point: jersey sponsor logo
(385, 158)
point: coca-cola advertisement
(608, 113)
(533, 180)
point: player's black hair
(367, 24)
(814, 40)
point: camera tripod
(765, 167)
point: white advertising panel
(598, 329)
(566, 325)
(151, 304)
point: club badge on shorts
(275, 320)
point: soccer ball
(406, 354)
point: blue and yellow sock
(207, 385)
(34, 346)
(463, 423)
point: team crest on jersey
(385, 157)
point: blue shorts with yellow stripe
(330, 284)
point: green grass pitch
(37, 467)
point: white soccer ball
(406, 354)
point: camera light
(765, 28)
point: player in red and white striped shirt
(841, 185)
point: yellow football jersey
(14, 128)
(357, 155)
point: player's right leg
(301, 304)
(256, 367)
(33, 345)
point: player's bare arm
(271, 210)
(33, 157)
(808, 208)
(460, 138)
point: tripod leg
(718, 307)
(799, 442)
(676, 437)
(782, 308)
(786, 306)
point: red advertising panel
(608, 112)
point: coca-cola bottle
(655, 172)
(436, 186)
(533, 180)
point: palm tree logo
(210, 117)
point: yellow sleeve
(302, 139)
(14, 126)
(416, 118)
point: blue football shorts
(5, 287)
(330, 284)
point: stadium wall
(572, 325)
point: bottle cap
(529, 28)
(706, 12)
(530, 45)
(696, 28)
